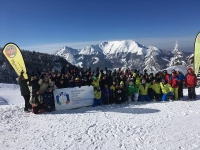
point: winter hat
(190, 69)
(94, 77)
(121, 83)
(164, 71)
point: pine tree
(178, 57)
(150, 62)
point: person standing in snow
(120, 94)
(36, 101)
(182, 80)
(191, 83)
(174, 82)
(48, 100)
(25, 92)
(143, 91)
(106, 95)
(113, 87)
(97, 97)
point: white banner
(68, 98)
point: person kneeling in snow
(167, 90)
(97, 97)
(48, 100)
(36, 101)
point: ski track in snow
(140, 126)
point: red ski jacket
(190, 79)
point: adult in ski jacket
(166, 75)
(174, 82)
(24, 91)
(44, 82)
(181, 83)
(190, 83)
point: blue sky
(47, 25)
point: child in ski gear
(143, 91)
(36, 101)
(120, 94)
(48, 100)
(97, 97)
(132, 91)
(106, 95)
(113, 87)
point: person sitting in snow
(97, 97)
(48, 100)
(155, 93)
(167, 90)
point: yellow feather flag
(197, 54)
(15, 58)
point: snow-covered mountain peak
(114, 47)
(65, 50)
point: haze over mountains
(114, 54)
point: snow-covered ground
(139, 126)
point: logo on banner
(11, 51)
(62, 98)
(198, 38)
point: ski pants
(191, 93)
(135, 97)
(27, 104)
(165, 96)
(144, 97)
(97, 102)
(175, 91)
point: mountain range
(115, 54)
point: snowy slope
(140, 126)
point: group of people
(116, 86)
